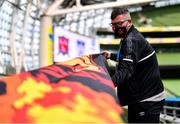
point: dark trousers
(145, 112)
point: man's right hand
(107, 54)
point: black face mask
(122, 30)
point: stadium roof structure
(54, 10)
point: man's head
(120, 21)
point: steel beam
(54, 11)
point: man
(137, 76)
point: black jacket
(137, 75)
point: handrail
(170, 117)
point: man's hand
(107, 54)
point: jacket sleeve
(127, 62)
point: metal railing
(171, 111)
(168, 117)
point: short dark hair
(118, 11)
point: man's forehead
(121, 17)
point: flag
(76, 91)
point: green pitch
(165, 16)
(168, 58)
(172, 87)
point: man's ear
(130, 21)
